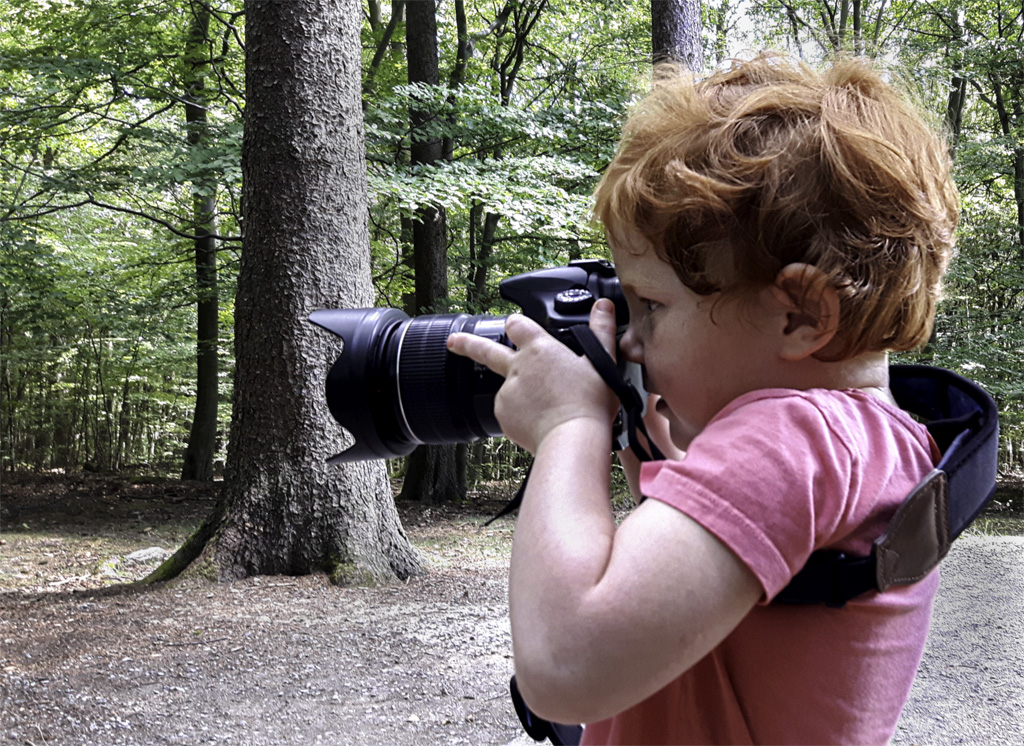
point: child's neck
(868, 372)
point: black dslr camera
(395, 385)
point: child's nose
(630, 347)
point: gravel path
(970, 687)
(282, 661)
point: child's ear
(806, 307)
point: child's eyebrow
(629, 287)
(639, 286)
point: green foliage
(98, 294)
(980, 327)
(97, 304)
(540, 185)
(524, 146)
(94, 355)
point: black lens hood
(360, 390)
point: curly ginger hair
(770, 162)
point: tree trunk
(481, 259)
(955, 109)
(1011, 114)
(1018, 167)
(1018, 197)
(198, 462)
(435, 474)
(675, 33)
(720, 20)
(202, 437)
(957, 97)
(306, 246)
(430, 234)
(432, 473)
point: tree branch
(397, 8)
(90, 200)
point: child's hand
(546, 384)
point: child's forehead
(628, 241)
(639, 265)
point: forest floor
(295, 660)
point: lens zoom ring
(421, 378)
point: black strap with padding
(961, 418)
(538, 728)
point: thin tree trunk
(385, 43)
(675, 33)
(432, 473)
(198, 462)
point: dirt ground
(282, 660)
(269, 660)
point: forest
(487, 125)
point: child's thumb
(602, 323)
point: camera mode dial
(574, 301)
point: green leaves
(531, 166)
(525, 191)
(98, 287)
(93, 92)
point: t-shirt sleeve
(768, 477)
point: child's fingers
(495, 356)
(522, 330)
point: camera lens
(395, 385)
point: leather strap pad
(918, 536)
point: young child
(775, 231)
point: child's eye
(649, 305)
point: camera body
(395, 385)
(560, 298)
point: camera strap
(633, 402)
(964, 422)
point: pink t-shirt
(777, 475)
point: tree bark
(955, 102)
(430, 234)
(306, 246)
(675, 33)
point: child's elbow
(562, 696)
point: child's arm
(601, 617)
